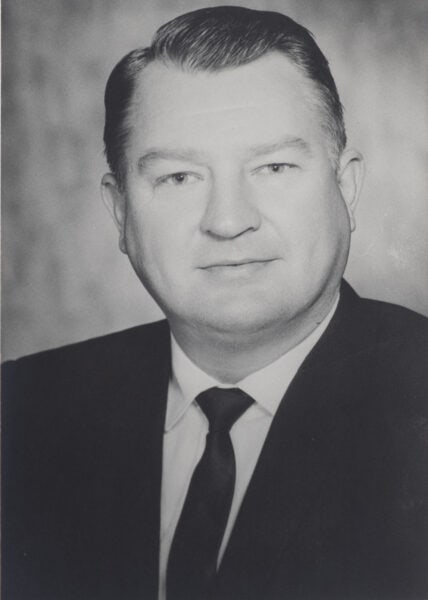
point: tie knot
(223, 407)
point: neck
(231, 356)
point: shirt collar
(266, 386)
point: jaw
(231, 350)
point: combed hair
(212, 39)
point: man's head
(230, 185)
(214, 39)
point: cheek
(156, 239)
(137, 232)
(312, 223)
(329, 228)
(142, 237)
(297, 224)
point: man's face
(233, 217)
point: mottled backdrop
(63, 276)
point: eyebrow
(188, 154)
(282, 144)
(153, 154)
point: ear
(350, 178)
(115, 201)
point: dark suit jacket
(337, 506)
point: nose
(230, 211)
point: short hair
(212, 39)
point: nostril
(230, 219)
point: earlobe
(115, 201)
(350, 179)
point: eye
(178, 179)
(274, 168)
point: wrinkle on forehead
(161, 82)
(252, 104)
(155, 111)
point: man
(269, 439)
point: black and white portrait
(215, 270)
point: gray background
(63, 277)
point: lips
(237, 263)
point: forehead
(265, 98)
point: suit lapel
(306, 434)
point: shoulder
(88, 386)
(397, 338)
(384, 351)
(394, 321)
(144, 337)
(381, 327)
(378, 351)
(88, 359)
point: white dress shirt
(186, 427)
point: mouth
(245, 264)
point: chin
(241, 321)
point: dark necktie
(194, 551)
